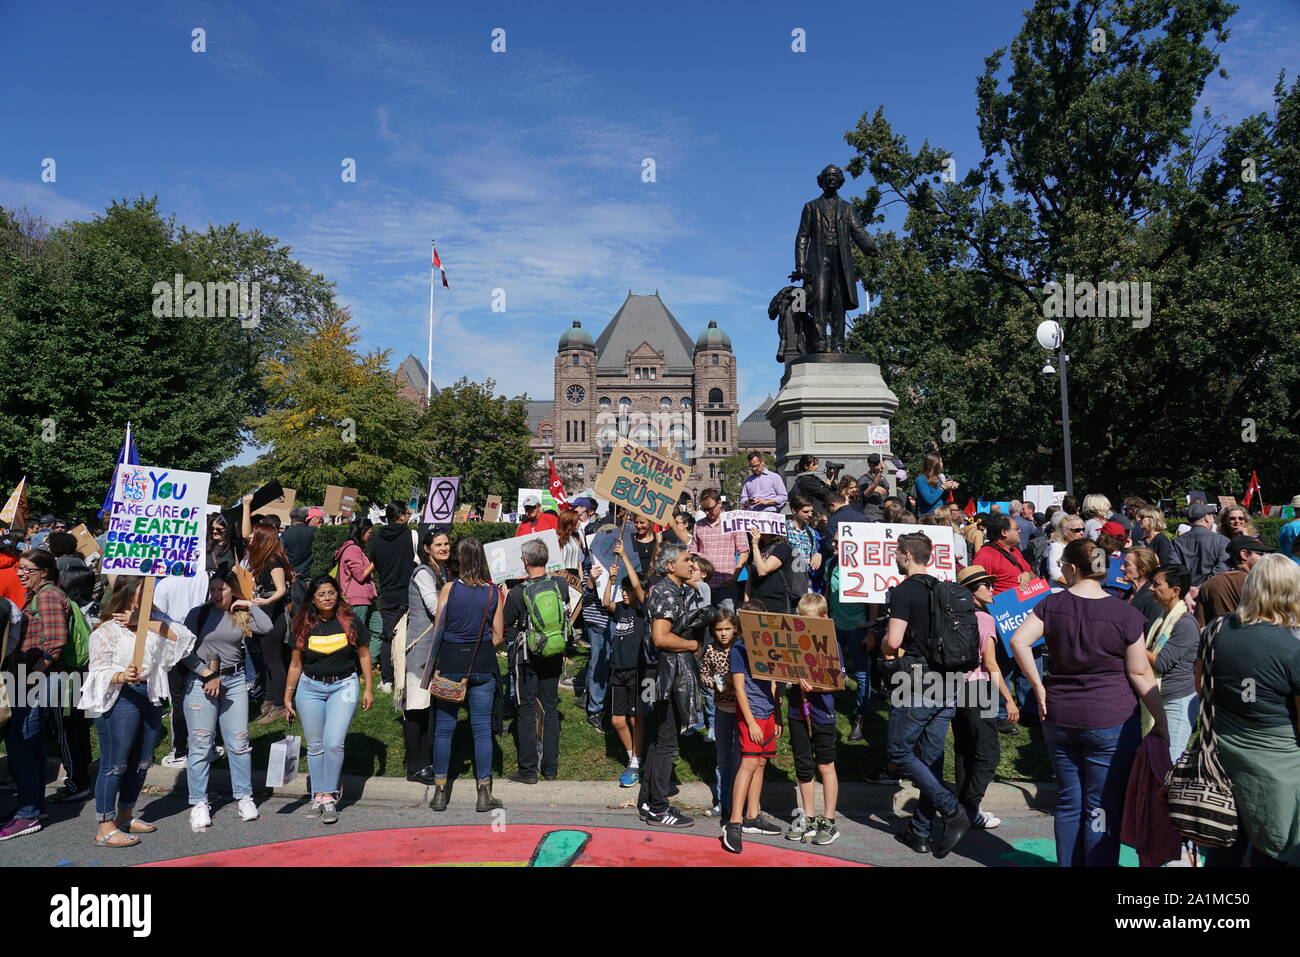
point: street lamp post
(1051, 337)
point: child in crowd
(627, 631)
(812, 739)
(758, 722)
(715, 678)
(704, 596)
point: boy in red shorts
(758, 723)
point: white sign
(549, 504)
(767, 523)
(1042, 496)
(157, 525)
(505, 559)
(866, 556)
(878, 436)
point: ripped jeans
(128, 733)
(202, 715)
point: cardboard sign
(279, 507)
(644, 482)
(86, 544)
(156, 526)
(440, 501)
(790, 647)
(340, 501)
(1226, 501)
(603, 541)
(1115, 577)
(549, 504)
(1011, 607)
(767, 523)
(866, 557)
(878, 436)
(493, 511)
(1041, 496)
(462, 514)
(505, 558)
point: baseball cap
(315, 512)
(530, 500)
(1114, 530)
(582, 501)
(1244, 543)
(1198, 510)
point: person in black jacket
(809, 484)
(75, 577)
(393, 552)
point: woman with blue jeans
(125, 702)
(470, 611)
(216, 692)
(322, 687)
(1087, 702)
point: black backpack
(954, 643)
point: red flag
(1251, 489)
(950, 498)
(970, 508)
(557, 488)
(437, 264)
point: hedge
(330, 537)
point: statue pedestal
(824, 407)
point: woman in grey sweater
(216, 692)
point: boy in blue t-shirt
(813, 741)
(758, 725)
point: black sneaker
(1004, 726)
(519, 777)
(955, 826)
(643, 812)
(731, 839)
(596, 720)
(913, 840)
(69, 792)
(756, 825)
(670, 818)
(881, 776)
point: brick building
(643, 377)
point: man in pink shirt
(726, 551)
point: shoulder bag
(444, 689)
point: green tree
(482, 437)
(335, 417)
(1091, 167)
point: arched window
(624, 404)
(686, 402)
(680, 437)
(715, 395)
(605, 402)
(577, 359)
(714, 357)
(644, 434)
(608, 436)
(713, 471)
(665, 403)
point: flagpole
(428, 392)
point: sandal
(138, 826)
(107, 840)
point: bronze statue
(823, 255)
(799, 333)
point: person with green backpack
(538, 627)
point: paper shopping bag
(282, 765)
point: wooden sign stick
(142, 629)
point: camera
(834, 468)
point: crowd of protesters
(1100, 663)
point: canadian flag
(970, 508)
(1251, 489)
(557, 488)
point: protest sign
(767, 523)
(440, 501)
(462, 514)
(1115, 576)
(156, 526)
(505, 558)
(1227, 501)
(340, 501)
(493, 511)
(878, 436)
(413, 501)
(1041, 496)
(279, 507)
(983, 506)
(15, 510)
(866, 557)
(549, 504)
(642, 481)
(1011, 607)
(86, 544)
(602, 545)
(790, 647)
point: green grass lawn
(374, 746)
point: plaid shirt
(720, 548)
(46, 630)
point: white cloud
(47, 200)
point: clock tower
(575, 407)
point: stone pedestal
(824, 407)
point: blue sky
(526, 165)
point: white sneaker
(386, 687)
(200, 817)
(221, 752)
(247, 809)
(986, 821)
(174, 760)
